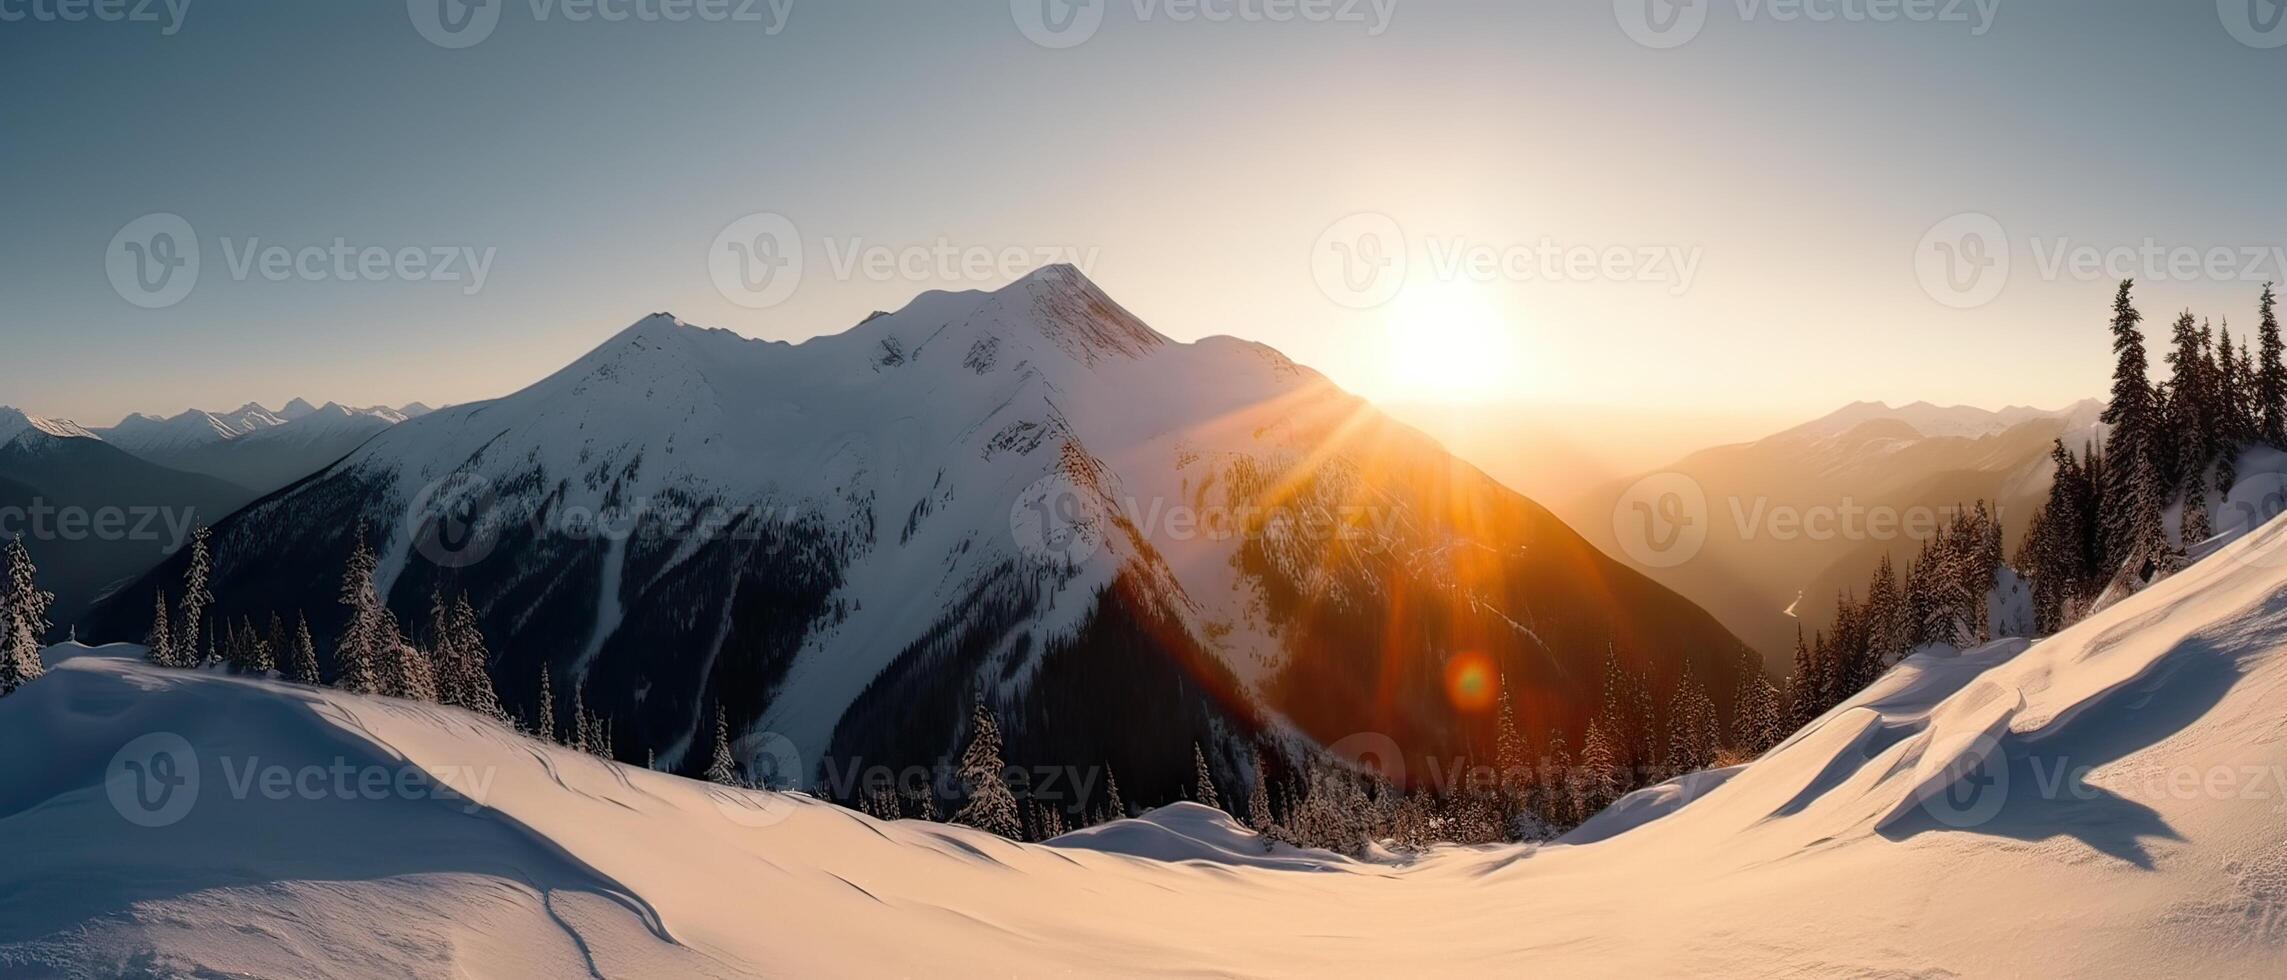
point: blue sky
(1195, 165)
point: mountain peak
(1076, 315)
(15, 423)
(296, 409)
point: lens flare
(1471, 682)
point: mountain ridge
(1025, 495)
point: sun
(1448, 343)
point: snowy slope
(2102, 803)
(840, 543)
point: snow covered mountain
(253, 446)
(14, 424)
(1129, 545)
(93, 516)
(2104, 802)
(1795, 513)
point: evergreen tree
(190, 627)
(442, 653)
(1885, 624)
(1259, 799)
(472, 680)
(302, 667)
(1691, 728)
(159, 646)
(1510, 755)
(1202, 781)
(2133, 531)
(370, 633)
(2234, 399)
(24, 622)
(991, 807)
(721, 770)
(2270, 374)
(1114, 807)
(1803, 688)
(249, 653)
(546, 726)
(2192, 424)
(582, 726)
(1559, 803)
(1048, 822)
(1599, 770)
(1755, 712)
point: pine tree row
(2170, 444)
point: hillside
(2100, 803)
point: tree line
(2170, 443)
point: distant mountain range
(1128, 545)
(1779, 510)
(58, 481)
(251, 445)
(158, 477)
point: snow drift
(2103, 802)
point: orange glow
(1470, 682)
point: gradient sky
(1197, 162)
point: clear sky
(1199, 169)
